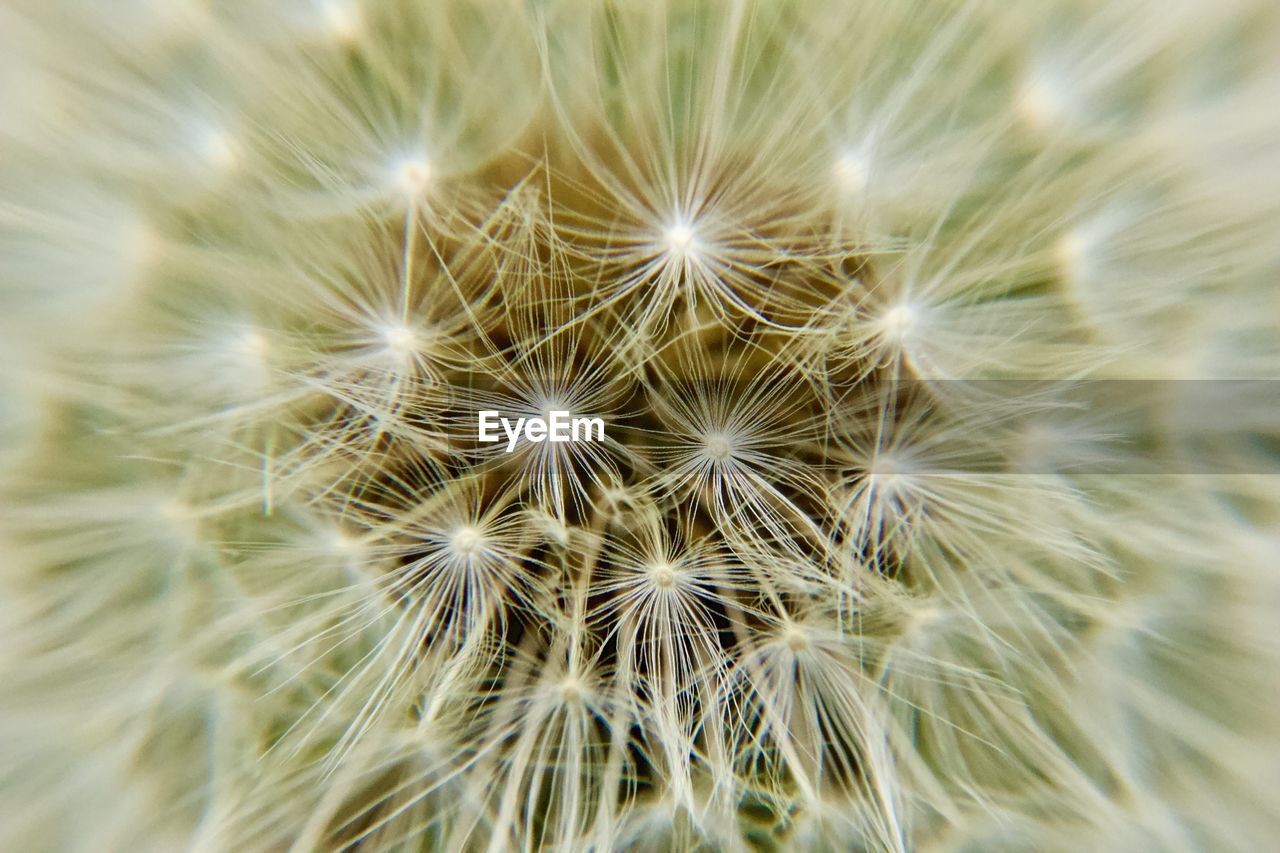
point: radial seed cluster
(844, 574)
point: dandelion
(900, 530)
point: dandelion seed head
(263, 268)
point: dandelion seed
(719, 447)
(413, 177)
(340, 544)
(818, 586)
(898, 323)
(466, 542)
(851, 173)
(663, 575)
(401, 340)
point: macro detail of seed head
(486, 425)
